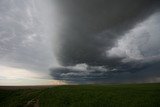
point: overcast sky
(83, 41)
(25, 41)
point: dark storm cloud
(81, 73)
(91, 28)
(146, 73)
(130, 73)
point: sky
(79, 42)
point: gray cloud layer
(99, 34)
(94, 41)
(91, 27)
(24, 38)
(100, 74)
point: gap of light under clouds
(17, 76)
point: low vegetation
(125, 95)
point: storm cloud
(107, 38)
(80, 41)
(91, 27)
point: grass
(17, 98)
(129, 95)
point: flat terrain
(124, 95)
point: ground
(113, 95)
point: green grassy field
(131, 95)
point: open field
(125, 95)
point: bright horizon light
(19, 76)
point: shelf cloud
(112, 41)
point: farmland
(113, 95)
